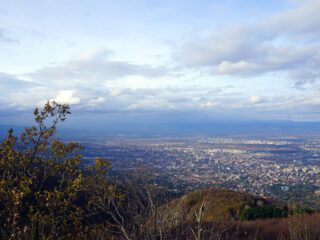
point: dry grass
(299, 227)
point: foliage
(221, 205)
(44, 192)
(264, 212)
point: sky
(161, 60)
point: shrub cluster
(44, 191)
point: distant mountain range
(187, 128)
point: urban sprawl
(287, 167)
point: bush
(44, 191)
(264, 212)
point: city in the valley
(282, 167)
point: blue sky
(237, 59)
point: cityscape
(286, 168)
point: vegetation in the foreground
(45, 193)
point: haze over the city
(161, 63)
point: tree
(44, 191)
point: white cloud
(67, 97)
(93, 54)
(257, 100)
(286, 43)
(209, 104)
(96, 102)
(300, 22)
(226, 67)
(93, 68)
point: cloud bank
(287, 43)
(265, 68)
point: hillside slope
(234, 215)
(220, 204)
